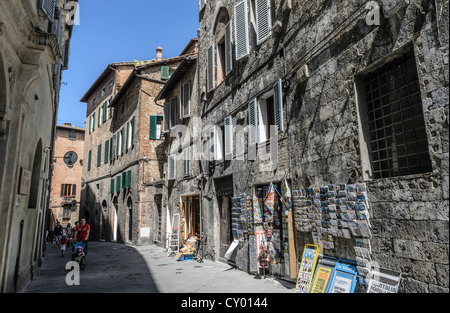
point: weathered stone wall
(409, 214)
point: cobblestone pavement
(120, 268)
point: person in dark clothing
(58, 233)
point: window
(124, 180)
(185, 100)
(398, 140)
(106, 157)
(100, 115)
(221, 57)
(228, 48)
(103, 92)
(228, 136)
(187, 161)
(118, 185)
(68, 190)
(99, 155)
(111, 186)
(210, 69)
(165, 72)
(89, 160)
(72, 135)
(215, 144)
(173, 112)
(262, 18)
(241, 29)
(119, 142)
(156, 127)
(252, 122)
(172, 167)
(105, 111)
(48, 7)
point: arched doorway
(130, 219)
(104, 221)
(115, 220)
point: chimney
(159, 54)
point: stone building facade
(359, 94)
(181, 192)
(66, 175)
(34, 50)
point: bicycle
(199, 248)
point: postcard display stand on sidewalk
(337, 211)
(307, 267)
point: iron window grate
(398, 139)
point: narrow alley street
(118, 268)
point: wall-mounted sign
(25, 181)
(307, 267)
(384, 281)
(344, 277)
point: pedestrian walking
(58, 233)
(51, 236)
(63, 243)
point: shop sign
(321, 279)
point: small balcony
(68, 200)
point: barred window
(398, 140)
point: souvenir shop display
(322, 275)
(383, 280)
(236, 224)
(307, 267)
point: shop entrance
(225, 226)
(276, 228)
(191, 208)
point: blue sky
(119, 31)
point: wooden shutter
(165, 72)
(93, 122)
(89, 160)
(105, 111)
(228, 48)
(253, 122)
(153, 121)
(124, 180)
(212, 144)
(127, 141)
(123, 140)
(263, 20)
(111, 149)
(118, 183)
(62, 190)
(99, 155)
(210, 69)
(111, 186)
(106, 157)
(129, 179)
(278, 104)
(133, 129)
(187, 161)
(74, 190)
(185, 95)
(228, 129)
(166, 117)
(90, 124)
(172, 167)
(99, 122)
(241, 29)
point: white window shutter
(210, 69)
(228, 48)
(186, 99)
(241, 29)
(212, 142)
(219, 143)
(263, 20)
(253, 122)
(278, 104)
(228, 129)
(172, 167)
(187, 160)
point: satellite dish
(74, 202)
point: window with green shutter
(99, 115)
(118, 183)
(106, 158)
(156, 125)
(105, 111)
(99, 155)
(90, 124)
(89, 160)
(133, 123)
(129, 179)
(93, 122)
(111, 189)
(124, 180)
(165, 72)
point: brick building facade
(66, 176)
